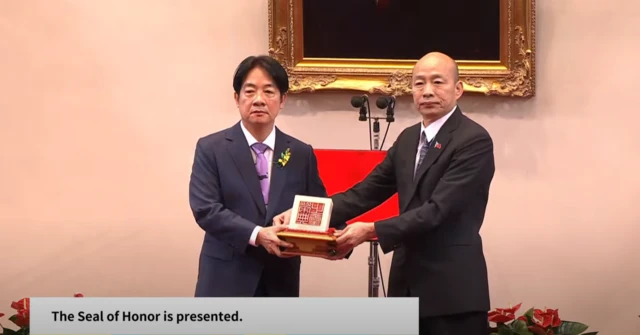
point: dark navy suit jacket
(226, 201)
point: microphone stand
(374, 276)
(374, 134)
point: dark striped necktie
(423, 150)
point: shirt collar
(432, 129)
(270, 141)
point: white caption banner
(212, 316)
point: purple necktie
(262, 166)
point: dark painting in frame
(370, 46)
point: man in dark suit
(242, 176)
(441, 169)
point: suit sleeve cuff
(254, 236)
(385, 240)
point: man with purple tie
(241, 178)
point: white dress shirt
(270, 141)
(431, 130)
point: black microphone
(361, 102)
(390, 104)
(358, 101)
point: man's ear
(459, 89)
(284, 99)
(236, 98)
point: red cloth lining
(342, 169)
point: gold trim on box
(309, 244)
(512, 75)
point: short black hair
(269, 65)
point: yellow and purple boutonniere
(284, 158)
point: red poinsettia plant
(533, 322)
(21, 318)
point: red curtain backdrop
(341, 169)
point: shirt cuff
(254, 236)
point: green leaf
(529, 316)
(517, 327)
(537, 330)
(7, 331)
(506, 331)
(13, 319)
(520, 328)
(571, 328)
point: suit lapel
(239, 150)
(412, 151)
(408, 150)
(278, 173)
(438, 145)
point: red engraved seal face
(310, 213)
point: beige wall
(102, 102)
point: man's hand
(282, 218)
(354, 235)
(338, 256)
(268, 239)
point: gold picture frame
(512, 75)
